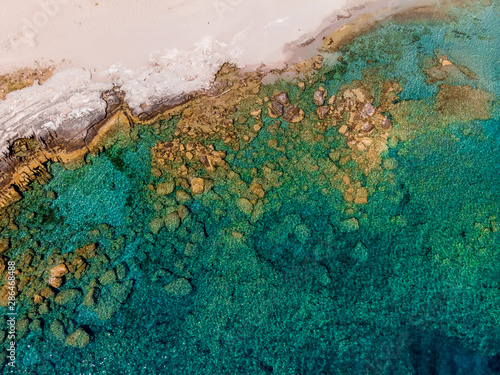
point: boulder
(197, 185)
(68, 297)
(245, 206)
(59, 271)
(107, 307)
(172, 221)
(293, 114)
(108, 278)
(322, 112)
(155, 225)
(78, 339)
(320, 96)
(4, 245)
(281, 97)
(165, 188)
(274, 109)
(179, 288)
(120, 291)
(57, 330)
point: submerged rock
(303, 233)
(57, 330)
(165, 188)
(350, 225)
(155, 225)
(68, 297)
(78, 339)
(179, 288)
(172, 221)
(245, 206)
(197, 185)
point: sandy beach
(155, 51)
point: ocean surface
(286, 247)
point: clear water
(291, 289)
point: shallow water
(302, 280)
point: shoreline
(113, 109)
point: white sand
(128, 31)
(152, 49)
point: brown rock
(281, 97)
(4, 295)
(320, 96)
(59, 270)
(197, 185)
(322, 112)
(55, 282)
(367, 127)
(361, 196)
(165, 188)
(274, 109)
(386, 123)
(87, 251)
(293, 114)
(257, 189)
(4, 245)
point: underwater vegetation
(342, 221)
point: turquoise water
(291, 287)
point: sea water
(304, 282)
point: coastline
(66, 135)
